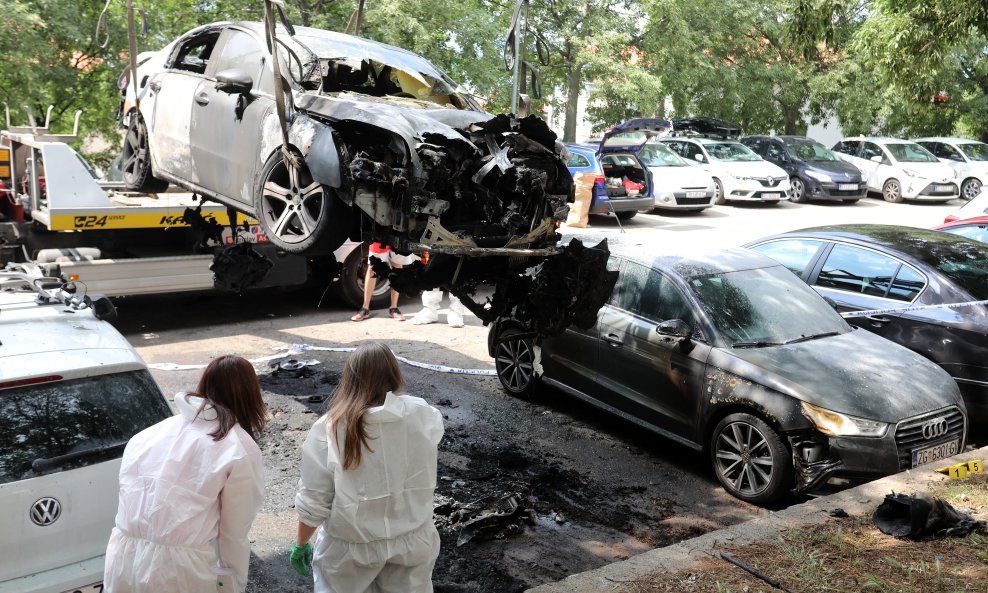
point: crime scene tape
(961, 470)
(299, 348)
(868, 312)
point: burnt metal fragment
(922, 517)
(239, 267)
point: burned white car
(381, 146)
(385, 140)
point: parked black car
(876, 267)
(730, 353)
(815, 172)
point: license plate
(935, 453)
(771, 196)
(944, 188)
(847, 186)
(696, 194)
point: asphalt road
(599, 489)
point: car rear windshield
(765, 307)
(810, 152)
(657, 155)
(51, 427)
(976, 151)
(731, 151)
(910, 153)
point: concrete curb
(862, 500)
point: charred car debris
(376, 144)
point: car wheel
(750, 459)
(350, 287)
(626, 215)
(798, 192)
(297, 213)
(719, 198)
(970, 189)
(136, 159)
(892, 191)
(514, 360)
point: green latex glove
(301, 558)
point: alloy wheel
(892, 191)
(293, 205)
(971, 189)
(744, 458)
(798, 190)
(515, 364)
(135, 152)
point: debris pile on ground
(922, 516)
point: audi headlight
(819, 176)
(910, 172)
(836, 424)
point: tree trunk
(574, 78)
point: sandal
(361, 315)
(396, 314)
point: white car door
(171, 115)
(874, 173)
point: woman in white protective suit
(368, 476)
(190, 487)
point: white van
(899, 169)
(72, 393)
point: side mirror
(699, 157)
(876, 159)
(234, 82)
(674, 328)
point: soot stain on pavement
(565, 521)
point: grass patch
(850, 554)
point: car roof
(56, 339)
(880, 139)
(948, 140)
(341, 38)
(979, 220)
(908, 242)
(582, 146)
(690, 262)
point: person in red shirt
(383, 253)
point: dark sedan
(730, 353)
(888, 268)
(815, 172)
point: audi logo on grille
(935, 428)
(45, 511)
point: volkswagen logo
(45, 511)
(935, 428)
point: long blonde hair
(369, 373)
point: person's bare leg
(370, 281)
(394, 311)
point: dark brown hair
(230, 384)
(368, 375)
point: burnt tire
(514, 360)
(297, 213)
(626, 215)
(750, 459)
(350, 287)
(892, 191)
(719, 198)
(135, 163)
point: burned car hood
(856, 373)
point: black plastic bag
(239, 267)
(922, 516)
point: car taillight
(600, 179)
(31, 381)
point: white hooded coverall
(179, 491)
(377, 532)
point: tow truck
(56, 213)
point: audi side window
(632, 284)
(614, 265)
(577, 161)
(857, 270)
(907, 285)
(662, 300)
(794, 254)
(194, 54)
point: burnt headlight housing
(836, 424)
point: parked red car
(973, 228)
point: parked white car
(899, 169)
(738, 173)
(676, 184)
(72, 393)
(968, 157)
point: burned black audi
(728, 352)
